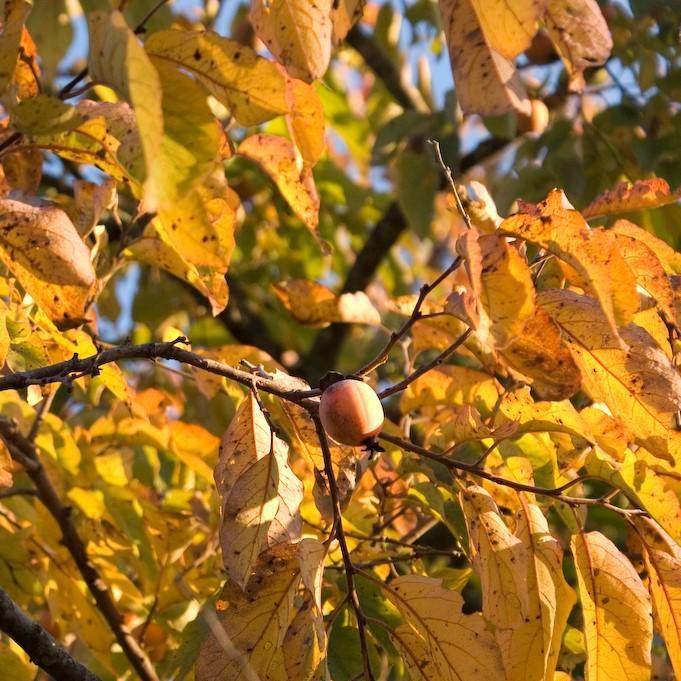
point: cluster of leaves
(523, 520)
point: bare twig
(43, 650)
(64, 93)
(18, 492)
(447, 352)
(450, 180)
(343, 544)
(74, 368)
(416, 314)
(25, 452)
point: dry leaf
(486, 81)
(592, 253)
(259, 492)
(580, 35)
(662, 558)
(277, 157)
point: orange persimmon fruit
(351, 412)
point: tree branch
(43, 650)
(74, 368)
(25, 452)
(345, 552)
(383, 66)
(554, 492)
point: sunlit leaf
(617, 617)
(625, 197)
(249, 85)
(456, 646)
(640, 386)
(314, 304)
(297, 33)
(277, 157)
(260, 493)
(592, 253)
(14, 13)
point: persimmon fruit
(351, 412)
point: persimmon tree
(210, 215)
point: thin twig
(42, 649)
(343, 544)
(81, 75)
(450, 179)
(18, 492)
(447, 352)
(415, 315)
(554, 492)
(25, 452)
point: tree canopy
(212, 213)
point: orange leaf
(625, 197)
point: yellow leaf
(260, 494)
(250, 86)
(539, 355)
(507, 25)
(297, 33)
(44, 114)
(670, 259)
(641, 483)
(486, 81)
(504, 270)
(44, 240)
(116, 58)
(151, 250)
(5, 466)
(276, 155)
(90, 201)
(639, 385)
(616, 611)
(14, 13)
(92, 141)
(451, 385)
(580, 35)
(593, 253)
(191, 141)
(246, 639)
(194, 446)
(535, 648)
(437, 640)
(500, 560)
(625, 197)
(90, 502)
(344, 15)
(314, 304)
(305, 120)
(44, 251)
(662, 557)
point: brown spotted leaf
(250, 86)
(616, 611)
(486, 81)
(638, 383)
(297, 33)
(580, 35)
(625, 197)
(459, 647)
(564, 233)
